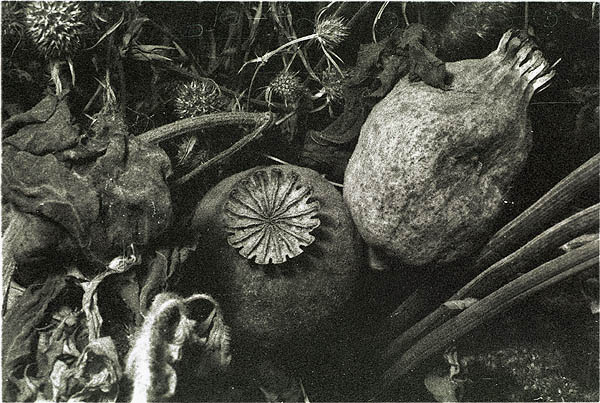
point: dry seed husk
(276, 303)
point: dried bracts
(432, 167)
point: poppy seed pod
(282, 250)
(432, 167)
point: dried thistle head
(197, 98)
(286, 86)
(333, 85)
(55, 27)
(331, 31)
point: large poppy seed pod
(432, 167)
(282, 250)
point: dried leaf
(129, 179)
(98, 372)
(422, 45)
(49, 128)
(38, 114)
(89, 302)
(19, 338)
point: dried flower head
(55, 27)
(197, 98)
(286, 86)
(331, 31)
(333, 85)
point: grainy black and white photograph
(263, 201)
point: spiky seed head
(331, 31)
(287, 86)
(197, 98)
(55, 27)
(333, 84)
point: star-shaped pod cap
(270, 215)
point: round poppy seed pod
(432, 167)
(282, 249)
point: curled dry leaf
(117, 199)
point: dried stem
(190, 125)
(503, 271)
(532, 221)
(482, 311)
(540, 214)
(261, 121)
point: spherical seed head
(197, 98)
(287, 86)
(331, 31)
(55, 27)
(333, 84)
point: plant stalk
(482, 311)
(503, 271)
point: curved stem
(482, 311)
(190, 125)
(222, 156)
(532, 221)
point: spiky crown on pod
(55, 27)
(197, 98)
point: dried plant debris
(176, 330)
(142, 229)
(117, 199)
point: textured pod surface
(270, 216)
(431, 168)
(276, 303)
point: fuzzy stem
(222, 156)
(209, 121)
(482, 311)
(503, 271)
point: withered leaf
(48, 130)
(19, 338)
(117, 199)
